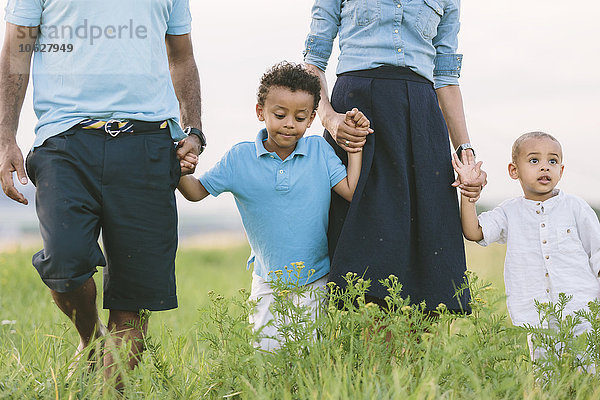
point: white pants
(263, 294)
(538, 353)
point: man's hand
(14, 76)
(349, 130)
(471, 178)
(188, 150)
(11, 160)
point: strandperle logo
(89, 32)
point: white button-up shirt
(553, 246)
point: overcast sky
(528, 65)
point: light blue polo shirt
(284, 205)
(101, 59)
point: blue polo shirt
(101, 59)
(284, 205)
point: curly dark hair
(291, 76)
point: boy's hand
(186, 147)
(470, 176)
(356, 119)
(345, 132)
(188, 163)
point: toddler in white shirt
(552, 238)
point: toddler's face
(538, 168)
(287, 115)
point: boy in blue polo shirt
(282, 185)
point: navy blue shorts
(90, 182)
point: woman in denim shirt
(398, 65)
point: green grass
(477, 357)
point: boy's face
(538, 168)
(287, 115)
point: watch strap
(464, 146)
(196, 132)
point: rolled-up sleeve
(180, 20)
(24, 12)
(336, 169)
(447, 63)
(219, 178)
(589, 234)
(494, 225)
(324, 28)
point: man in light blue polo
(282, 186)
(111, 80)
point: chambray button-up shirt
(417, 34)
(553, 246)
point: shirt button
(543, 225)
(568, 231)
(399, 50)
(547, 274)
(547, 290)
(396, 31)
(537, 204)
(544, 242)
(399, 5)
(537, 212)
(281, 171)
(547, 257)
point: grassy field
(203, 349)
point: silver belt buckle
(113, 133)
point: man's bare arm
(14, 77)
(186, 81)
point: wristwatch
(197, 132)
(462, 147)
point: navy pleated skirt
(404, 218)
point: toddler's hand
(469, 175)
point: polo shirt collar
(301, 146)
(260, 147)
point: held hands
(188, 150)
(471, 178)
(350, 130)
(11, 160)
